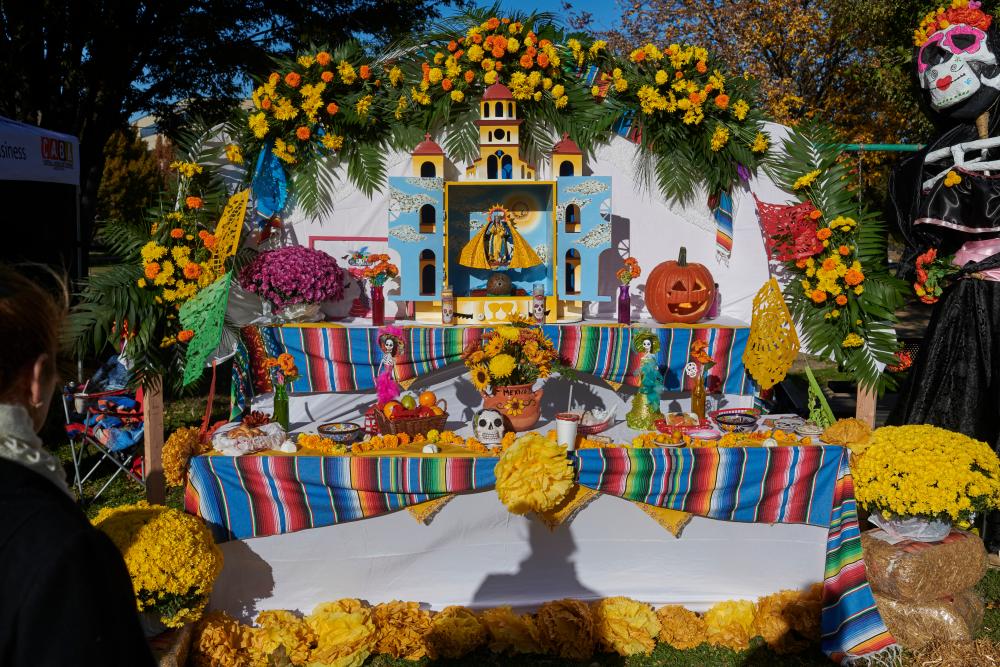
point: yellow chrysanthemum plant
(512, 354)
(686, 100)
(840, 293)
(171, 557)
(926, 472)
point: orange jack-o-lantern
(679, 292)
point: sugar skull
(538, 310)
(957, 66)
(447, 313)
(489, 427)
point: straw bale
(920, 572)
(955, 618)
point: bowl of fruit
(412, 414)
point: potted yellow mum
(919, 480)
(504, 366)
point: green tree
(83, 67)
(132, 179)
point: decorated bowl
(340, 432)
(736, 420)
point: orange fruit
(427, 399)
(387, 408)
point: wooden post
(152, 412)
(867, 402)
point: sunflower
(514, 406)
(502, 365)
(508, 332)
(480, 377)
(493, 346)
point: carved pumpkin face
(679, 292)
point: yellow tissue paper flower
(625, 627)
(789, 621)
(171, 558)
(681, 628)
(566, 629)
(455, 632)
(219, 642)
(182, 444)
(511, 633)
(400, 628)
(534, 475)
(730, 623)
(283, 629)
(345, 633)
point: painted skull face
(390, 346)
(954, 64)
(647, 346)
(538, 311)
(447, 313)
(489, 427)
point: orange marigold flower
(469, 75)
(498, 50)
(823, 234)
(323, 58)
(531, 51)
(842, 300)
(722, 101)
(477, 39)
(854, 277)
(192, 270)
(545, 42)
(293, 79)
(493, 23)
(265, 103)
(446, 84)
(452, 45)
(152, 270)
(678, 74)
(830, 263)
(365, 72)
(459, 53)
(701, 67)
(302, 132)
(527, 62)
(815, 214)
(332, 108)
(639, 55)
(543, 60)
(818, 296)
(327, 76)
(185, 336)
(193, 202)
(844, 250)
(695, 98)
(209, 241)
(176, 233)
(800, 264)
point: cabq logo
(57, 153)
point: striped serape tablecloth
(254, 496)
(346, 359)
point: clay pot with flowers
(504, 367)
(296, 280)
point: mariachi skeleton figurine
(947, 201)
(488, 427)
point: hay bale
(955, 618)
(922, 571)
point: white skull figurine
(447, 313)
(538, 311)
(954, 63)
(489, 427)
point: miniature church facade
(498, 234)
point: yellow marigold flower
(490, 78)
(395, 76)
(513, 45)
(951, 179)
(853, 340)
(621, 85)
(475, 53)
(740, 109)
(806, 180)
(234, 154)
(333, 142)
(502, 365)
(562, 102)
(720, 138)
(363, 105)
(661, 77)
(457, 96)
(347, 72)
(285, 110)
(760, 144)
(434, 75)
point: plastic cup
(567, 424)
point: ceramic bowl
(737, 420)
(340, 432)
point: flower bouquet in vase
(504, 367)
(379, 270)
(917, 481)
(284, 372)
(295, 280)
(626, 275)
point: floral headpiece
(642, 335)
(965, 12)
(392, 332)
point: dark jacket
(66, 599)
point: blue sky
(606, 12)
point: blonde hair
(31, 321)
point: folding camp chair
(108, 423)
